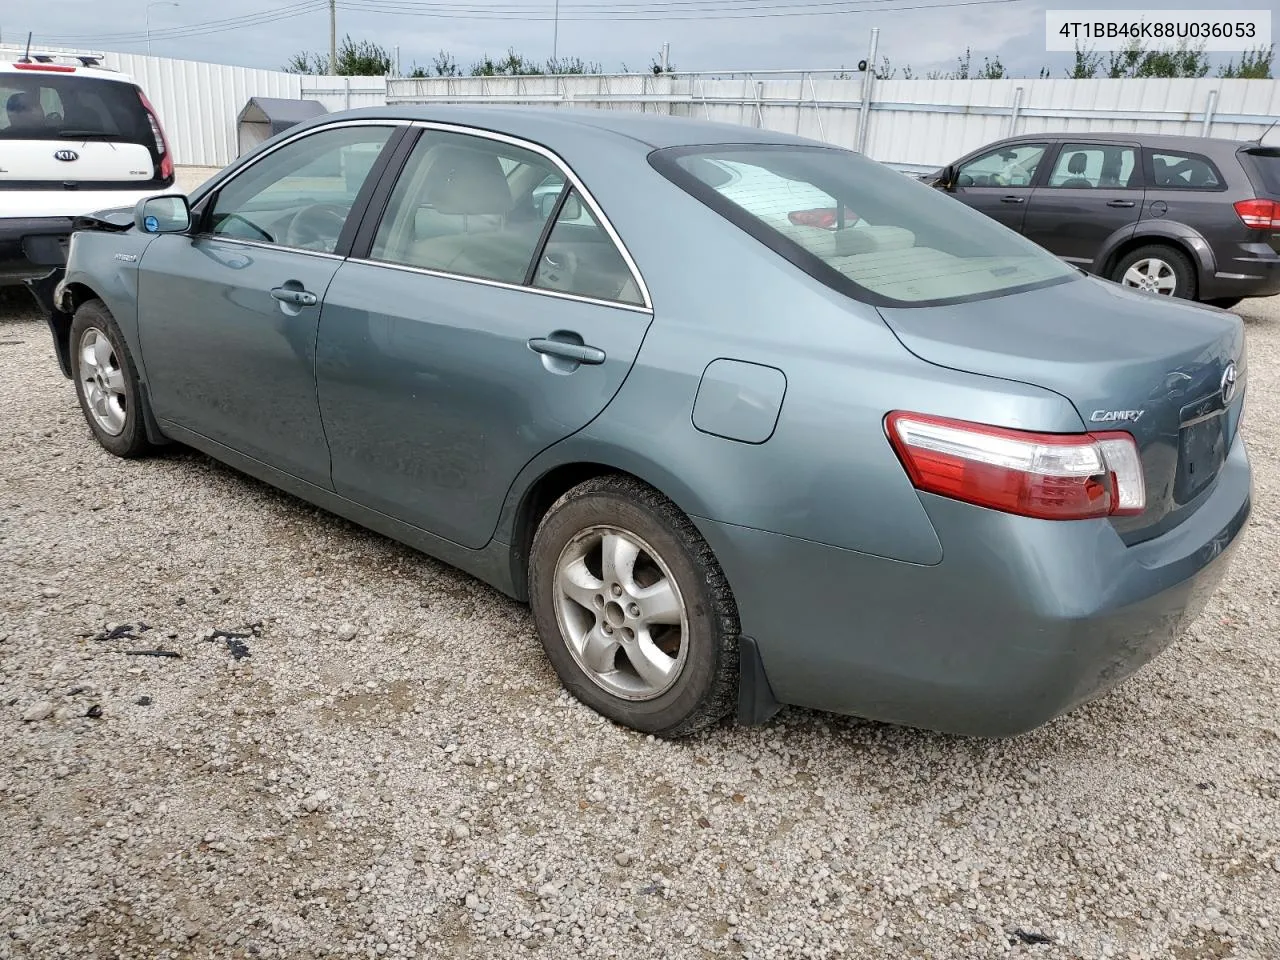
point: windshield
(860, 227)
(51, 106)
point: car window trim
(1139, 173)
(360, 252)
(540, 248)
(204, 208)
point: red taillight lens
(1259, 214)
(1049, 476)
(45, 67)
(157, 131)
(822, 217)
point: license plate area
(1202, 449)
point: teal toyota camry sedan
(747, 419)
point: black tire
(1226, 303)
(1179, 263)
(705, 688)
(131, 440)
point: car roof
(1172, 141)
(651, 130)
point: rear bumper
(1022, 620)
(32, 246)
(1247, 270)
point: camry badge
(66, 156)
(1113, 416)
(1228, 384)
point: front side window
(1183, 171)
(300, 195)
(1012, 166)
(1092, 166)
(860, 227)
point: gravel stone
(408, 792)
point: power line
(608, 14)
(197, 29)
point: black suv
(1188, 217)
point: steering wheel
(317, 227)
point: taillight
(821, 217)
(1259, 214)
(162, 142)
(1050, 476)
(45, 67)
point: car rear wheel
(1157, 269)
(106, 381)
(633, 610)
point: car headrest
(1077, 163)
(463, 181)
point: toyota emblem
(1228, 384)
(66, 156)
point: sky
(703, 34)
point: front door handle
(577, 352)
(1120, 203)
(299, 298)
(1013, 199)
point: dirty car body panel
(748, 367)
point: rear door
(481, 325)
(999, 182)
(1094, 191)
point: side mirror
(946, 178)
(169, 214)
(572, 209)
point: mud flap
(756, 703)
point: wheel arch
(1180, 237)
(547, 478)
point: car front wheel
(1157, 269)
(633, 610)
(106, 381)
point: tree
(355, 59)
(1253, 65)
(1088, 63)
(512, 65)
(572, 65)
(1136, 62)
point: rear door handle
(300, 298)
(1013, 199)
(1120, 203)
(578, 352)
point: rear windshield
(1263, 164)
(51, 106)
(861, 227)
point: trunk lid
(1148, 365)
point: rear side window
(1263, 167)
(1094, 166)
(860, 227)
(50, 106)
(1175, 170)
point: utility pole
(555, 40)
(333, 37)
(666, 56)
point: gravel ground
(384, 765)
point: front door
(1093, 192)
(471, 337)
(999, 182)
(228, 317)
